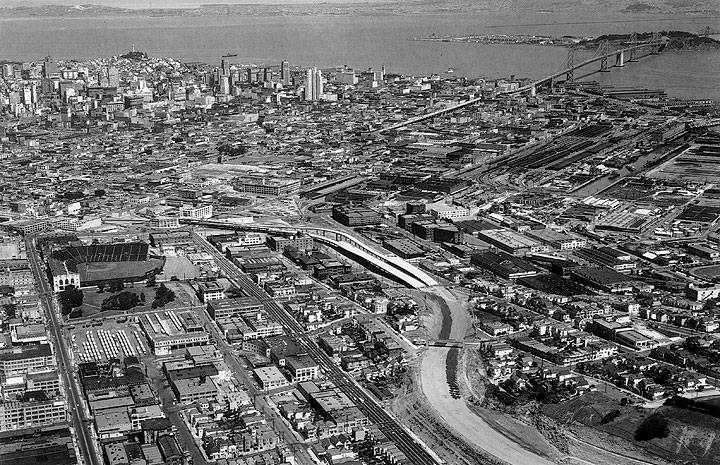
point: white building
(196, 212)
(313, 84)
(448, 212)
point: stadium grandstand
(92, 265)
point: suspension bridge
(603, 55)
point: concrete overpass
(531, 88)
(704, 123)
(400, 269)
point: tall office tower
(113, 77)
(318, 91)
(309, 74)
(8, 70)
(313, 84)
(27, 96)
(49, 66)
(285, 73)
(347, 77)
(47, 86)
(225, 85)
(234, 76)
(225, 67)
(267, 75)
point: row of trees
(126, 300)
(10, 311)
(694, 405)
(112, 286)
(123, 301)
(70, 298)
(163, 296)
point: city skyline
(373, 246)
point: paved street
(415, 452)
(73, 396)
(231, 358)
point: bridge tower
(604, 51)
(655, 43)
(570, 64)
(620, 59)
(633, 44)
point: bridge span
(400, 269)
(618, 54)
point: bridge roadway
(706, 123)
(527, 88)
(404, 271)
(413, 450)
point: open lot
(693, 437)
(696, 164)
(92, 299)
(99, 342)
(180, 267)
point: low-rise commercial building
(270, 378)
(32, 413)
(26, 359)
(209, 290)
(302, 368)
(226, 308)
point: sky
(164, 3)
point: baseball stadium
(93, 265)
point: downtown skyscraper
(313, 84)
(285, 73)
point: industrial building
(355, 215)
(298, 242)
(167, 331)
(404, 248)
(556, 239)
(511, 242)
(602, 277)
(268, 186)
(504, 265)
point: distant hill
(676, 40)
(31, 8)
